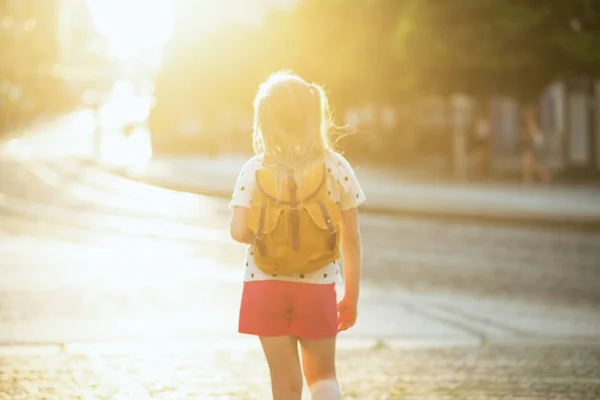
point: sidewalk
(390, 192)
(452, 373)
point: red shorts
(278, 308)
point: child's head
(291, 120)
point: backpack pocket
(270, 218)
(326, 216)
(319, 213)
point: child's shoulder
(253, 163)
(341, 171)
(336, 159)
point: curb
(490, 218)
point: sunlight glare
(133, 152)
(133, 27)
(16, 149)
(126, 106)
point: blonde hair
(291, 121)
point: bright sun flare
(137, 27)
(133, 27)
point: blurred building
(570, 122)
(29, 35)
(50, 55)
(573, 118)
(29, 48)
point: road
(84, 222)
(83, 206)
(88, 259)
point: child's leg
(528, 167)
(543, 173)
(318, 361)
(327, 389)
(284, 365)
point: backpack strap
(294, 213)
(330, 227)
(261, 223)
(289, 203)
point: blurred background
(473, 126)
(405, 77)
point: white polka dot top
(344, 188)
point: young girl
(530, 141)
(480, 131)
(291, 129)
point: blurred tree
(29, 55)
(496, 46)
(341, 44)
(580, 43)
(379, 52)
(344, 46)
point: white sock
(327, 389)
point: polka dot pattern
(327, 274)
(343, 187)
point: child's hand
(346, 314)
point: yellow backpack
(296, 227)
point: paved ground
(531, 372)
(91, 258)
(87, 259)
(476, 258)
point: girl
(530, 142)
(291, 129)
(480, 131)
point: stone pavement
(391, 192)
(179, 371)
(120, 311)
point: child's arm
(351, 198)
(239, 225)
(241, 201)
(351, 254)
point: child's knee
(286, 383)
(326, 389)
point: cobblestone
(509, 372)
